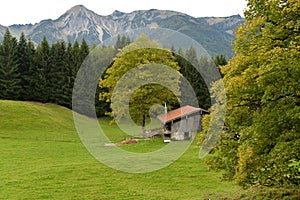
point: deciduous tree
(263, 97)
(140, 53)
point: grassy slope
(43, 158)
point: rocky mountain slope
(214, 34)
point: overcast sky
(33, 11)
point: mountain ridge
(214, 33)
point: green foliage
(220, 60)
(57, 77)
(25, 53)
(263, 99)
(121, 42)
(84, 51)
(139, 54)
(98, 60)
(188, 61)
(205, 121)
(9, 74)
(40, 70)
(45, 73)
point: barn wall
(187, 126)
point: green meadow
(42, 157)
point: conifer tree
(41, 72)
(24, 60)
(121, 42)
(70, 69)
(84, 50)
(188, 61)
(9, 76)
(29, 89)
(57, 75)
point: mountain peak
(79, 9)
(77, 13)
(117, 13)
(79, 22)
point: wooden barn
(182, 123)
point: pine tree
(70, 74)
(41, 70)
(9, 76)
(121, 42)
(57, 76)
(76, 57)
(24, 57)
(220, 61)
(29, 76)
(188, 61)
(84, 50)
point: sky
(33, 11)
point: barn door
(186, 135)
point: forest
(46, 73)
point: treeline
(46, 73)
(188, 62)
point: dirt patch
(131, 141)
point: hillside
(43, 158)
(37, 163)
(36, 121)
(215, 34)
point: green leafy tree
(263, 97)
(102, 106)
(137, 54)
(10, 80)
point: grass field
(42, 158)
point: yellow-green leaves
(143, 74)
(263, 95)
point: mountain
(214, 34)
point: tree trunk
(143, 123)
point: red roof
(178, 113)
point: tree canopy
(141, 54)
(261, 140)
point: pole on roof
(166, 110)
